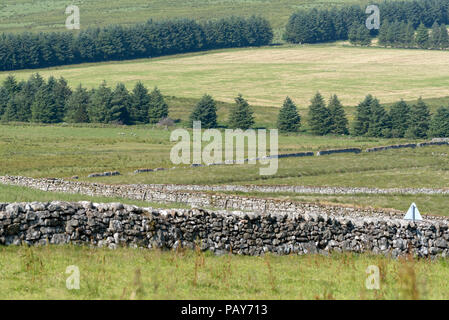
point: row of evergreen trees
(320, 25)
(52, 101)
(402, 120)
(371, 119)
(115, 42)
(403, 35)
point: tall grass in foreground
(39, 273)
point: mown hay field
(265, 76)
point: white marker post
(413, 213)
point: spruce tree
(11, 86)
(419, 120)
(10, 113)
(44, 109)
(288, 119)
(444, 38)
(379, 121)
(383, 33)
(4, 99)
(77, 106)
(320, 121)
(400, 116)
(100, 104)
(241, 116)
(422, 37)
(206, 112)
(392, 33)
(435, 36)
(158, 108)
(61, 93)
(120, 101)
(362, 118)
(140, 103)
(338, 115)
(363, 35)
(353, 34)
(439, 126)
(409, 40)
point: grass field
(64, 151)
(48, 15)
(39, 273)
(265, 76)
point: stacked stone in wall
(332, 151)
(114, 225)
(104, 174)
(432, 143)
(396, 146)
(143, 170)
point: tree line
(143, 40)
(321, 24)
(403, 35)
(371, 119)
(53, 101)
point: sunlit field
(265, 76)
(39, 273)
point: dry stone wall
(155, 192)
(115, 225)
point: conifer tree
(435, 36)
(77, 106)
(10, 113)
(362, 118)
(422, 36)
(120, 101)
(320, 121)
(439, 126)
(444, 38)
(419, 120)
(353, 34)
(4, 99)
(11, 86)
(206, 112)
(409, 40)
(61, 93)
(158, 108)
(383, 33)
(338, 115)
(100, 104)
(288, 119)
(44, 109)
(379, 121)
(363, 35)
(400, 116)
(241, 116)
(140, 103)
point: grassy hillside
(64, 151)
(266, 75)
(49, 15)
